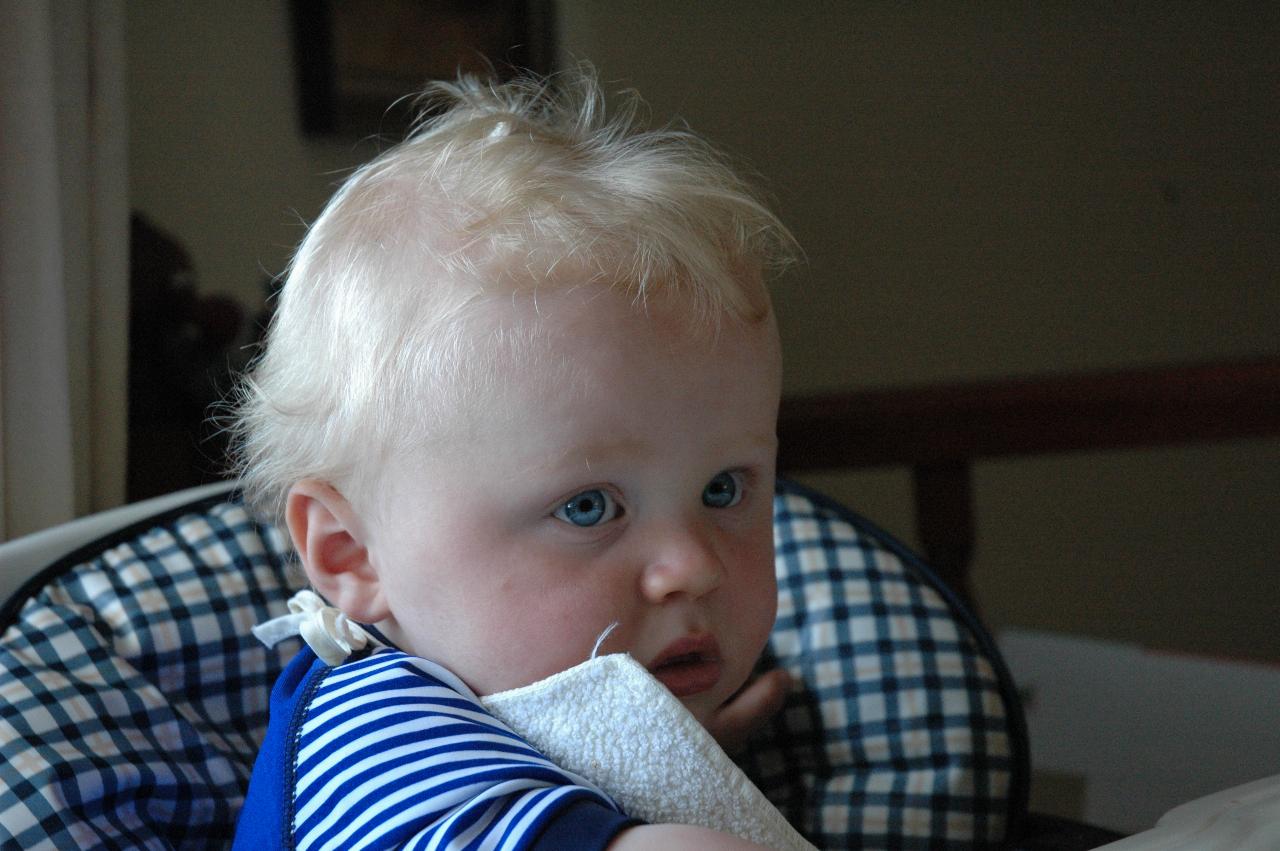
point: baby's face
(639, 490)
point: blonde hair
(500, 189)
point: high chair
(133, 696)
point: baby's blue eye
(589, 508)
(724, 490)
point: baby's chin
(703, 707)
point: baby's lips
(702, 645)
(689, 665)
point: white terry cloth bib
(610, 721)
(607, 720)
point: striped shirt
(393, 751)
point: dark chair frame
(940, 431)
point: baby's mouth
(689, 665)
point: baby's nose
(684, 562)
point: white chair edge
(22, 558)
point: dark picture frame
(359, 62)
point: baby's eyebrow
(760, 442)
(573, 456)
(628, 447)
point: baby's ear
(329, 539)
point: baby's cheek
(758, 600)
(545, 636)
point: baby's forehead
(559, 310)
(570, 363)
(569, 341)
(552, 335)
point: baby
(521, 386)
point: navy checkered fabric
(133, 696)
(906, 733)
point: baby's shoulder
(389, 680)
(386, 743)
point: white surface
(1246, 818)
(1147, 731)
(26, 556)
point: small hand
(748, 710)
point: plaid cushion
(132, 694)
(906, 733)
(133, 697)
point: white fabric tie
(331, 634)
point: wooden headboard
(939, 431)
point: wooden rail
(940, 431)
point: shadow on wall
(182, 357)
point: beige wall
(982, 190)
(215, 156)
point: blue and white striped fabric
(395, 752)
